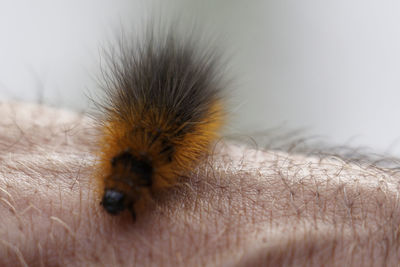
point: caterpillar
(163, 108)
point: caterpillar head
(129, 176)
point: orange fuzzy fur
(118, 136)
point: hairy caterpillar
(162, 111)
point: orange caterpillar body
(162, 112)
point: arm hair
(241, 207)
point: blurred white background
(331, 67)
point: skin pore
(241, 207)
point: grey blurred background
(330, 67)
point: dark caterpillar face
(123, 186)
(113, 201)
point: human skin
(241, 207)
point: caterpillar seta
(162, 110)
